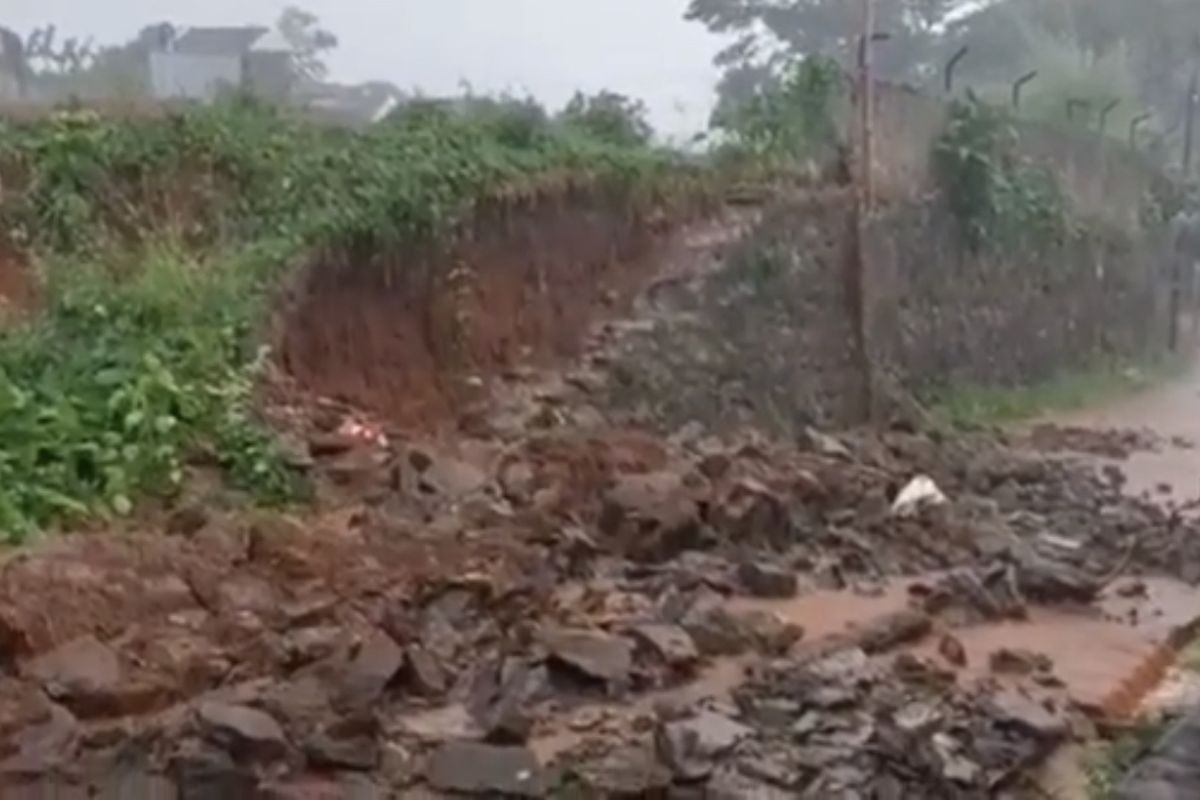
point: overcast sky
(546, 47)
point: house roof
(218, 41)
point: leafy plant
(786, 120)
(997, 198)
(145, 355)
(145, 370)
(608, 117)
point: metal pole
(1190, 124)
(1137, 122)
(1019, 85)
(952, 65)
(1104, 112)
(867, 92)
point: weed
(1107, 764)
(997, 198)
(106, 395)
(969, 406)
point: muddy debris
(497, 603)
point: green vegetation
(162, 238)
(972, 405)
(997, 198)
(1108, 763)
(786, 121)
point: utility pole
(867, 93)
(856, 264)
(1190, 124)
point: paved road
(1171, 410)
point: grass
(1108, 763)
(974, 406)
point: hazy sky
(546, 47)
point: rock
(891, 631)
(767, 631)
(134, 784)
(1045, 580)
(822, 443)
(593, 653)
(300, 703)
(246, 733)
(730, 784)
(1015, 708)
(774, 770)
(247, 593)
(451, 478)
(370, 671)
(713, 629)
(952, 650)
(651, 517)
(752, 515)
(306, 645)
(424, 672)
(767, 580)
(187, 520)
(689, 746)
(507, 720)
(481, 769)
(202, 774)
(629, 772)
(442, 725)
(670, 643)
(86, 677)
(328, 750)
(955, 766)
(1008, 661)
(51, 743)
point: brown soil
(413, 336)
(17, 286)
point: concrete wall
(769, 338)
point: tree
(308, 40)
(774, 33)
(608, 116)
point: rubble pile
(517, 612)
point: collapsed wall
(415, 335)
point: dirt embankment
(415, 335)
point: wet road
(1172, 411)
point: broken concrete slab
(487, 770)
(594, 653)
(243, 731)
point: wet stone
(486, 770)
(370, 671)
(86, 677)
(893, 630)
(1008, 661)
(627, 772)
(425, 672)
(671, 643)
(245, 732)
(767, 580)
(593, 653)
(201, 774)
(326, 750)
(689, 746)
